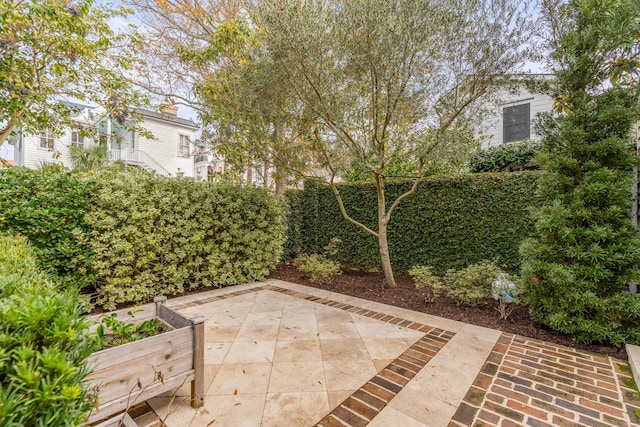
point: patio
(280, 354)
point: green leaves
(153, 235)
(48, 208)
(51, 49)
(44, 344)
(586, 248)
(450, 222)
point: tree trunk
(382, 234)
(6, 132)
(384, 253)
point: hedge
(154, 235)
(48, 207)
(44, 344)
(450, 222)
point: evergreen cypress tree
(576, 271)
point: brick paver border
(529, 382)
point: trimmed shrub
(430, 284)
(506, 158)
(48, 207)
(472, 285)
(320, 267)
(154, 235)
(450, 222)
(586, 249)
(44, 344)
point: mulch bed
(369, 286)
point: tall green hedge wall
(154, 235)
(450, 222)
(133, 234)
(48, 207)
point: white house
(170, 152)
(513, 112)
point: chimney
(169, 109)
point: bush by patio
(48, 207)
(450, 222)
(44, 343)
(154, 235)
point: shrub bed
(44, 344)
(450, 222)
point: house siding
(163, 148)
(490, 131)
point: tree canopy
(53, 50)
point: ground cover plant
(44, 344)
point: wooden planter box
(134, 372)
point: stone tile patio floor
(281, 354)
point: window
(46, 139)
(516, 123)
(183, 146)
(77, 140)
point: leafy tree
(576, 271)
(388, 82)
(51, 50)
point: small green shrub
(505, 158)
(48, 207)
(320, 267)
(44, 344)
(472, 285)
(430, 284)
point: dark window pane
(516, 123)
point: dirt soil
(369, 286)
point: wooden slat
(110, 388)
(129, 367)
(122, 420)
(168, 343)
(139, 396)
(174, 319)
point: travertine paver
(280, 354)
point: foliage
(471, 285)
(48, 207)
(430, 284)
(450, 222)
(89, 158)
(51, 50)
(385, 82)
(505, 158)
(321, 268)
(120, 332)
(44, 344)
(154, 235)
(586, 249)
